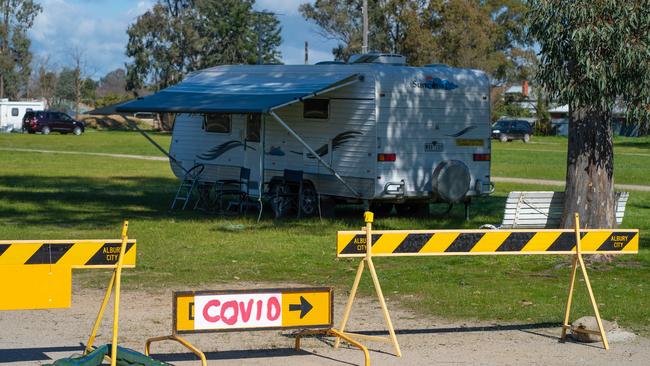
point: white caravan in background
(12, 113)
(373, 130)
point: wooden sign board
(480, 242)
(259, 309)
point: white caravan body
(12, 113)
(392, 134)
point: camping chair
(292, 190)
(239, 188)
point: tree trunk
(167, 121)
(590, 170)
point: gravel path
(35, 337)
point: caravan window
(216, 122)
(14, 112)
(316, 108)
(253, 127)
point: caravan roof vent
(378, 58)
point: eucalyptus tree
(593, 55)
(176, 37)
(489, 34)
(16, 17)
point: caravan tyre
(279, 204)
(309, 202)
(526, 138)
(503, 138)
(45, 130)
(451, 181)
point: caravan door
(253, 149)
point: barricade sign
(213, 311)
(37, 274)
(395, 243)
(249, 310)
(476, 242)
(41, 270)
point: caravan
(12, 113)
(372, 131)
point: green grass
(545, 158)
(56, 196)
(113, 142)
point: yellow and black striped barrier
(492, 242)
(368, 243)
(70, 253)
(37, 274)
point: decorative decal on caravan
(275, 151)
(462, 132)
(338, 140)
(219, 150)
(434, 83)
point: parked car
(49, 121)
(508, 130)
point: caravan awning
(224, 90)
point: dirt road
(36, 337)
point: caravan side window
(316, 108)
(217, 122)
(14, 112)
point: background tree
(179, 36)
(489, 35)
(593, 54)
(16, 17)
(83, 84)
(65, 90)
(44, 80)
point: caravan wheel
(309, 203)
(279, 204)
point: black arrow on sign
(304, 307)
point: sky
(97, 29)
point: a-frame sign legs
(392, 339)
(578, 261)
(114, 283)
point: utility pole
(364, 48)
(306, 53)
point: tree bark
(590, 170)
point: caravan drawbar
(373, 130)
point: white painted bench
(543, 210)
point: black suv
(507, 130)
(48, 121)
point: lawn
(58, 196)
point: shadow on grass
(41, 200)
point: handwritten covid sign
(203, 311)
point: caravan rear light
(481, 157)
(386, 157)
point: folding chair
(292, 188)
(239, 188)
